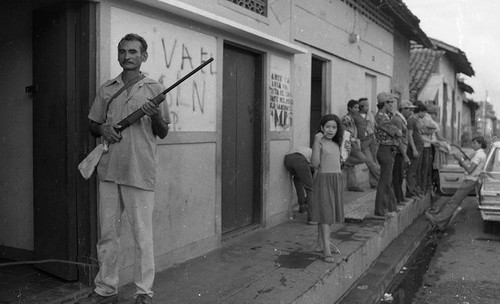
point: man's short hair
(362, 99)
(481, 141)
(135, 37)
(420, 107)
(351, 103)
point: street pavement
(466, 265)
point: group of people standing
(391, 145)
(394, 144)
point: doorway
(241, 138)
(318, 95)
(64, 77)
(371, 91)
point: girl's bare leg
(325, 239)
(319, 241)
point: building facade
(278, 66)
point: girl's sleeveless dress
(327, 202)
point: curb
(368, 246)
(371, 286)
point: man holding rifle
(127, 171)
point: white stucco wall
(187, 216)
(447, 69)
(324, 28)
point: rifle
(88, 165)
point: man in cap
(387, 135)
(399, 119)
(356, 156)
(415, 149)
(429, 129)
(365, 124)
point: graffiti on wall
(280, 99)
(173, 52)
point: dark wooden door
(317, 96)
(61, 72)
(241, 127)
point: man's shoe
(391, 214)
(95, 298)
(355, 189)
(143, 299)
(302, 209)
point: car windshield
(493, 164)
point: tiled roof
(471, 104)
(404, 20)
(465, 87)
(457, 57)
(423, 62)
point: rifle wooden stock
(88, 165)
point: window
(256, 6)
(372, 12)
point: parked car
(450, 175)
(489, 193)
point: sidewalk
(279, 264)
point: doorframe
(86, 191)
(261, 146)
(326, 66)
(82, 77)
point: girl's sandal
(328, 259)
(336, 249)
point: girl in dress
(327, 202)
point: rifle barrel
(135, 116)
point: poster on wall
(280, 98)
(173, 52)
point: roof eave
(405, 21)
(457, 56)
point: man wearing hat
(415, 149)
(387, 136)
(365, 123)
(399, 119)
(429, 129)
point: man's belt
(369, 136)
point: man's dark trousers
(412, 175)
(397, 176)
(300, 169)
(385, 200)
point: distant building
(435, 80)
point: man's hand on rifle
(109, 133)
(151, 109)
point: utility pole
(484, 113)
